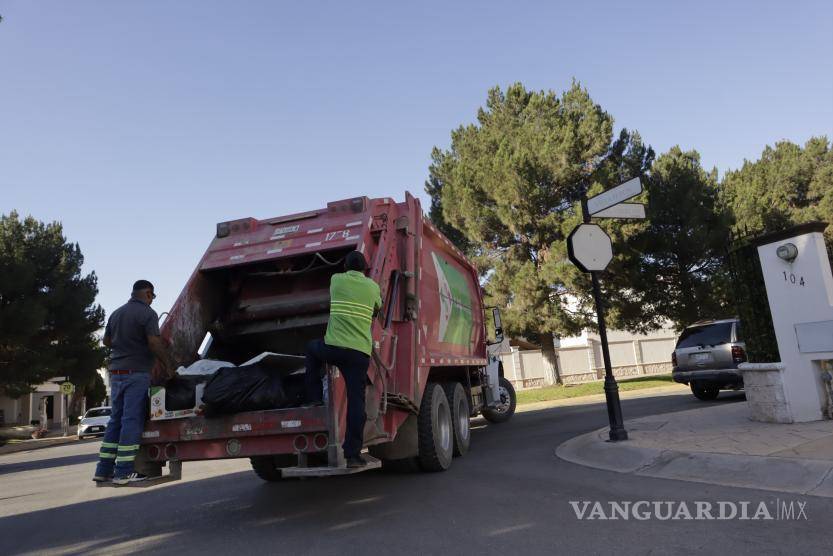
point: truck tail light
(738, 354)
(244, 225)
(674, 359)
(154, 452)
(354, 205)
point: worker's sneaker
(356, 461)
(130, 479)
(101, 478)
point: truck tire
(504, 411)
(704, 391)
(268, 468)
(460, 414)
(436, 431)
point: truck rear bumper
(726, 378)
(278, 431)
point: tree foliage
(48, 315)
(788, 185)
(675, 268)
(510, 186)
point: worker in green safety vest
(354, 301)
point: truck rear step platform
(326, 471)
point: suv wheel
(704, 391)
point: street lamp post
(611, 388)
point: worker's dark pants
(353, 365)
(129, 402)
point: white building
(46, 399)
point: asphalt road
(509, 495)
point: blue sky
(140, 125)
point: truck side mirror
(498, 325)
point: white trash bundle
(203, 367)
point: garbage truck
(263, 286)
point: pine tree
(788, 185)
(48, 314)
(510, 186)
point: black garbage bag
(295, 389)
(181, 391)
(238, 389)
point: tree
(48, 315)
(788, 185)
(510, 185)
(676, 268)
(96, 392)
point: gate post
(799, 288)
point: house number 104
(793, 279)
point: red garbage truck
(263, 286)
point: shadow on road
(296, 512)
(467, 506)
(46, 463)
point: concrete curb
(28, 445)
(780, 474)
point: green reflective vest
(353, 299)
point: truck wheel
(704, 391)
(268, 468)
(460, 415)
(506, 408)
(436, 431)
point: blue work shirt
(128, 328)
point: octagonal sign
(589, 247)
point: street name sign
(623, 210)
(589, 247)
(611, 197)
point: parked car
(94, 422)
(707, 356)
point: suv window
(97, 413)
(706, 335)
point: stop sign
(589, 247)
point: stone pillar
(764, 386)
(518, 365)
(591, 359)
(637, 356)
(799, 287)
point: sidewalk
(718, 445)
(18, 439)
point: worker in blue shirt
(132, 334)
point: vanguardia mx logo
(643, 510)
